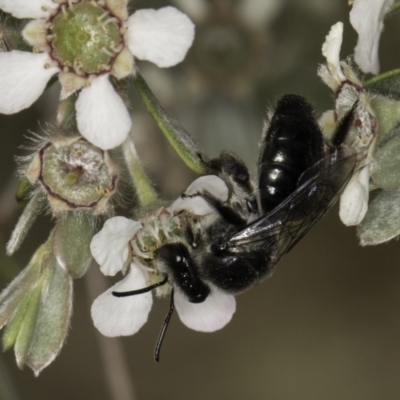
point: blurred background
(325, 326)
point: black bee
(299, 179)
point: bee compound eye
(173, 253)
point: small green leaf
(387, 112)
(382, 221)
(183, 144)
(14, 293)
(52, 322)
(72, 238)
(144, 190)
(31, 211)
(385, 170)
(26, 323)
(11, 332)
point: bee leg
(231, 167)
(164, 328)
(343, 127)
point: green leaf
(31, 211)
(183, 144)
(14, 293)
(382, 221)
(72, 238)
(385, 171)
(25, 323)
(52, 321)
(387, 112)
(144, 190)
(11, 332)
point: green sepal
(52, 321)
(385, 172)
(180, 140)
(10, 34)
(382, 221)
(66, 115)
(72, 237)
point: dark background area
(325, 326)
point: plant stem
(180, 140)
(118, 379)
(382, 77)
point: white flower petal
(209, 183)
(213, 314)
(161, 36)
(101, 114)
(23, 77)
(354, 199)
(28, 8)
(122, 316)
(366, 16)
(110, 246)
(196, 204)
(331, 50)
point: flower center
(85, 38)
(76, 174)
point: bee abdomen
(292, 144)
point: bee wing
(318, 189)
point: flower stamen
(139, 252)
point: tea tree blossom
(348, 94)
(86, 42)
(367, 17)
(130, 246)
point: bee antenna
(141, 291)
(164, 328)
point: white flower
(161, 36)
(331, 51)
(349, 93)
(354, 199)
(118, 243)
(367, 17)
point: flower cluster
(86, 43)
(129, 246)
(91, 47)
